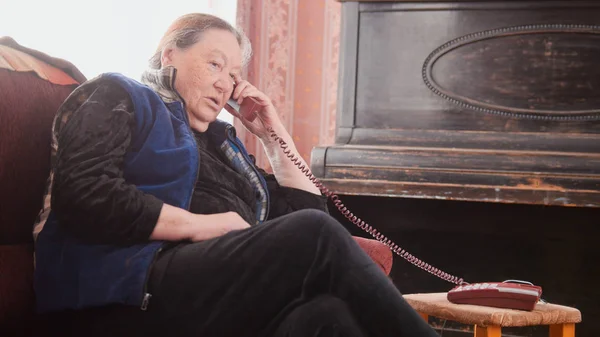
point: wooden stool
(489, 321)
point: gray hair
(188, 29)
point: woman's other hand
(176, 224)
(214, 225)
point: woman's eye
(215, 65)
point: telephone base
(494, 302)
(507, 295)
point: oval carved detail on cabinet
(549, 71)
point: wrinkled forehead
(220, 44)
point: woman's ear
(166, 56)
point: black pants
(299, 275)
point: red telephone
(509, 294)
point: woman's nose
(224, 84)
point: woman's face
(206, 73)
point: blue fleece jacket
(162, 161)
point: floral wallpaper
(295, 62)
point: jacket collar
(162, 81)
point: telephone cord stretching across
(360, 223)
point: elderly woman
(162, 225)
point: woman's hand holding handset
(259, 116)
(256, 110)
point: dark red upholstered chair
(32, 87)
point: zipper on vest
(146, 295)
(146, 301)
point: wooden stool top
(437, 305)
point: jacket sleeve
(286, 200)
(90, 197)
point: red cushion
(380, 253)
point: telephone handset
(510, 294)
(246, 109)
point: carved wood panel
(544, 71)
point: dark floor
(555, 247)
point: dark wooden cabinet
(444, 105)
(476, 101)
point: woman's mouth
(213, 102)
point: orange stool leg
(488, 331)
(424, 316)
(562, 330)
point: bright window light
(101, 36)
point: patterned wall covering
(295, 62)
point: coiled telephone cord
(359, 222)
